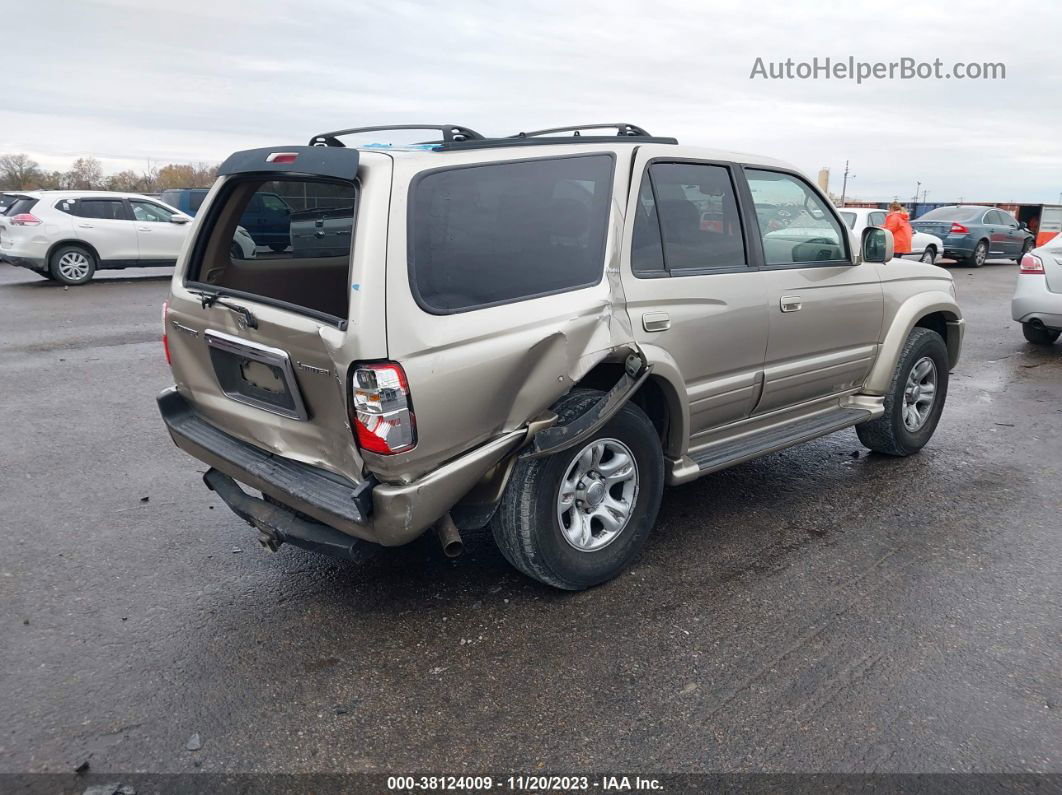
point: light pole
(918, 188)
(844, 183)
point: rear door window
(298, 255)
(691, 221)
(103, 209)
(876, 219)
(501, 232)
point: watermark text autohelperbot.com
(865, 71)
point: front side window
(796, 226)
(300, 256)
(695, 214)
(150, 212)
(502, 232)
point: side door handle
(85, 226)
(790, 303)
(143, 229)
(656, 321)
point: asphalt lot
(822, 609)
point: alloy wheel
(597, 494)
(920, 393)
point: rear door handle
(790, 303)
(656, 321)
(84, 226)
(143, 229)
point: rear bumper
(389, 514)
(1033, 301)
(33, 263)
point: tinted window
(801, 227)
(274, 203)
(849, 218)
(105, 209)
(697, 217)
(502, 232)
(647, 249)
(149, 211)
(876, 219)
(300, 256)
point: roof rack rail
(622, 129)
(551, 140)
(450, 133)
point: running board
(724, 454)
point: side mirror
(179, 219)
(877, 244)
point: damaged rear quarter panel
(476, 374)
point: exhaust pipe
(449, 537)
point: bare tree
(85, 174)
(19, 172)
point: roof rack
(451, 133)
(622, 129)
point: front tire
(1038, 335)
(578, 518)
(914, 400)
(72, 265)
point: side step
(724, 454)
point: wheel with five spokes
(577, 518)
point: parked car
(973, 233)
(1037, 302)
(925, 247)
(535, 334)
(267, 217)
(68, 235)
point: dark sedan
(973, 233)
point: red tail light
(383, 418)
(25, 219)
(1031, 263)
(165, 336)
(957, 229)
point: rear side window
(103, 209)
(687, 220)
(20, 206)
(298, 253)
(502, 232)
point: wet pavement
(822, 609)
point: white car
(924, 246)
(1037, 302)
(69, 235)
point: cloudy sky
(133, 83)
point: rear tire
(549, 523)
(278, 247)
(929, 255)
(979, 255)
(908, 423)
(72, 265)
(1038, 335)
(1025, 249)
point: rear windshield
(952, 214)
(501, 232)
(283, 240)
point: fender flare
(903, 321)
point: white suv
(68, 235)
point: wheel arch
(936, 311)
(71, 242)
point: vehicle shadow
(43, 285)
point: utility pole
(844, 183)
(918, 188)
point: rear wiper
(212, 299)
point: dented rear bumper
(390, 514)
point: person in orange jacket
(898, 222)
